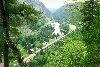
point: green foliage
(67, 53)
(38, 61)
(38, 44)
(91, 33)
(17, 14)
(42, 20)
(39, 36)
(64, 28)
(73, 51)
(60, 15)
(76, 16)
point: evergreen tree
(14, 14)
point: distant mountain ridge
(52, 10)
(60, 14)
(39, 6)
(54, 13)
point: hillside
(64, 37)
(60, 14)
(39, 6)
(42, 19)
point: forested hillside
(65, 13)
(28, 38)
(60, 14)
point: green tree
(91, 32)
(68, 52)
(14, 14)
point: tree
(14, 15)
(91, 32)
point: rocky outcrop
(39, 6)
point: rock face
(39, 6)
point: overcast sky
(53, 3)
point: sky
(53, 3)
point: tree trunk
(17, 54)
(5, 32)
(7, 41)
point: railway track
(27, 59)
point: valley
(39, 36)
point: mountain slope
(39, 6)
(60, 14)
